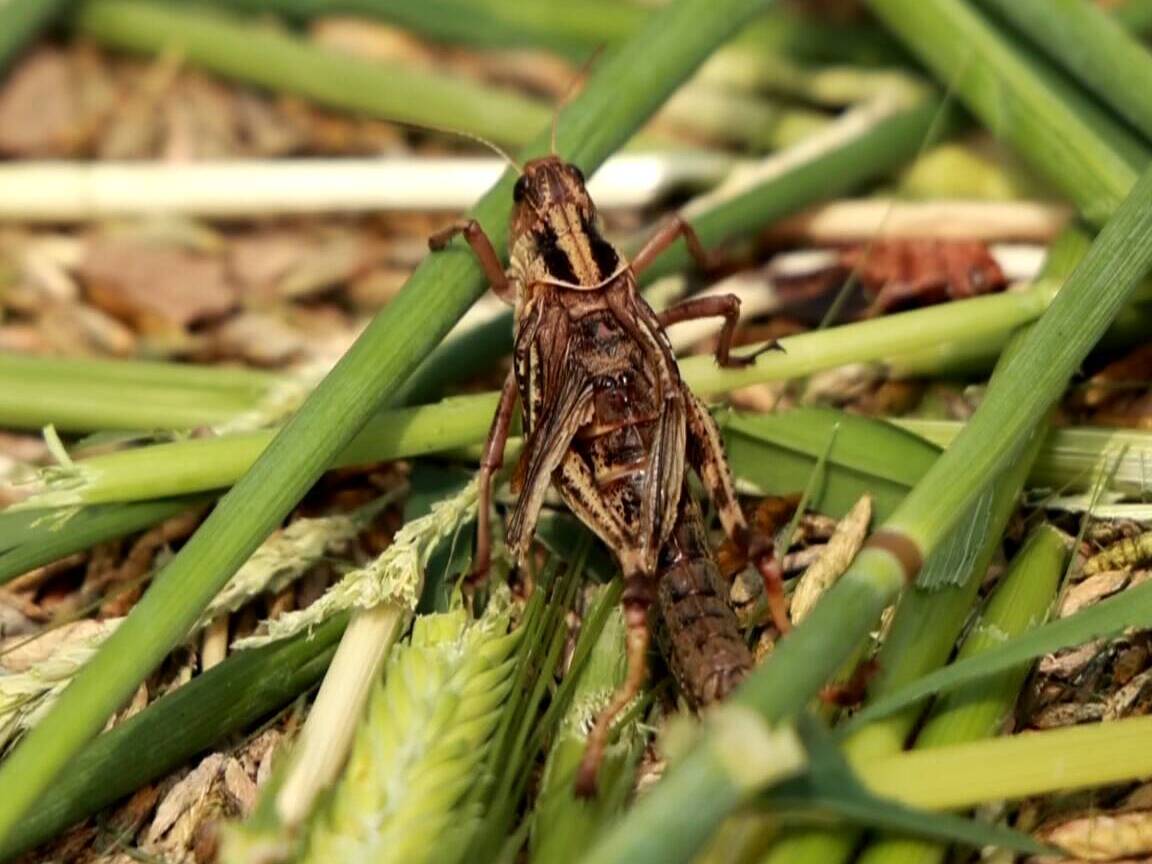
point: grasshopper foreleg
(485, 253)
(491, 462)
(667, 234)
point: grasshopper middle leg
(726, 306)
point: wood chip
(1092, 590)
(837, 556)
(1103, 836)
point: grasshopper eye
(579, 174)
(520, 189)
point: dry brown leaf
(179, 816)
(1067, 714)
(41, 114)
(1066, 664)
(1122, 702)
(154, 286)
(25, 654)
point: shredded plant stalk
(420, 747)
(396, 577)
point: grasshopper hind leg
(637, 600)
(706, 455)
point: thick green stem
(1021, 601)
(1093, 47)
(619, 96)
(1019, 98)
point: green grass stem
(262, 55)
(31, 539)
(1018, 97)
(200, 464)
(1093, 47)
(1021, 601)
(1016, 766)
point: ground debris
(1103, 836)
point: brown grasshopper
(607, 419)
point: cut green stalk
(1021, 601)
(1016, 766)
(1091, 46)
(261, 55)
(1031, 381)
(875, 339)
(201, 464)
(619, 97)
(1019, 98)
(1072, 456)
(93, 394)
(21, 21)
(225, 700)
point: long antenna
(491, 146)
(471, 136)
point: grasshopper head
(555, 226)
(549, 188)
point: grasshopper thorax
(555, 230)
